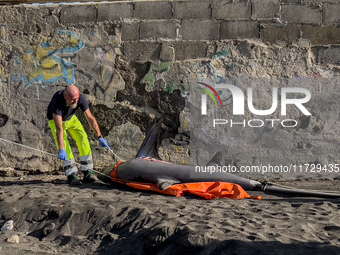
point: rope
(116, 155)
(56, 155)
(28, 147)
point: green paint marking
(233, 65)
(150, 78)
(225, 52)
(164, 66)
(169, 89)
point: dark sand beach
(52, 217)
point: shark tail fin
(149, 145)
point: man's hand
(104, 143)
(62, 155)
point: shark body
(146, 168)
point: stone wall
(135, 62)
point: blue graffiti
(47, 63)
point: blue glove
(62, 155)
(104, 143)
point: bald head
(72, 90)
(71, 95)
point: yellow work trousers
(76, 130)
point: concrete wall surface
(136, 61)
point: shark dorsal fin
(149, 146)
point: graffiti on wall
(49, 61)
(104, 72)
(154, 78)
(163, 78)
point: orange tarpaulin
(207, 190)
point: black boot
(89, 176)
(73, 179)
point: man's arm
(93, 122)
(95, 127)
(58, 120)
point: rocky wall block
(273, 32)
(191, 50)
(153, 10)
(192, 9)
(321, 35)
(115, 11)
(331, 13)
(303, 13)
(130, 31)
(167, 53)
(141, 51)
(329, 55)
(163, 29)
(126, 140)
(230, 9)
(78, 13)
(239, 30)
(199, 30)
(265, 9)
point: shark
(147, 168)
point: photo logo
(239, 99)
(274, 127)
(204, 96)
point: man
(61, 115)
